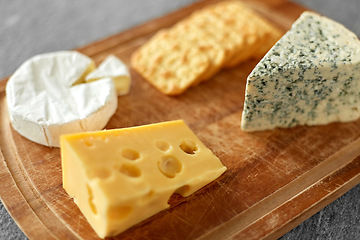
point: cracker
(242, 22)
(275, 35)
(263, 36)
(170, 65)
(236, 19)
(219, 30)
(200, 39)
(196, 48)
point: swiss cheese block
(47, 97)
(311, 76)
(112, 67)
(120, 177)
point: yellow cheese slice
(120, 177)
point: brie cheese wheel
(47, 97)
(114, 68)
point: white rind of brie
(114, 68)
(47, 97)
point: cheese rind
(112, 67)
(309, 77)
(121, 177)
(45, 97)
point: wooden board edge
(260, 229)
(108, 43)
(278, 19)
(3, 85)
(327, 169)
(25, 205)
(15, 202)
(314, 208)
(142, 29)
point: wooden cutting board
(275, 179)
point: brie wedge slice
(47, 96)
(114, 68)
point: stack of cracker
(196, 48)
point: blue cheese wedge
(311, 76)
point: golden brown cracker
(171, 66)
(198, 38)
(196, 48)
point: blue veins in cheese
(311, 76)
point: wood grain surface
(275, 179)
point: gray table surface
(28, 28)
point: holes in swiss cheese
(101, 173)
(147, 197)
(91, 200)
(119, 212)
(178, 195)
(88, 142)
(183, 190)
(130, 170)
(188, 146)
(130, 154)
(162, 145)
(169, 166)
